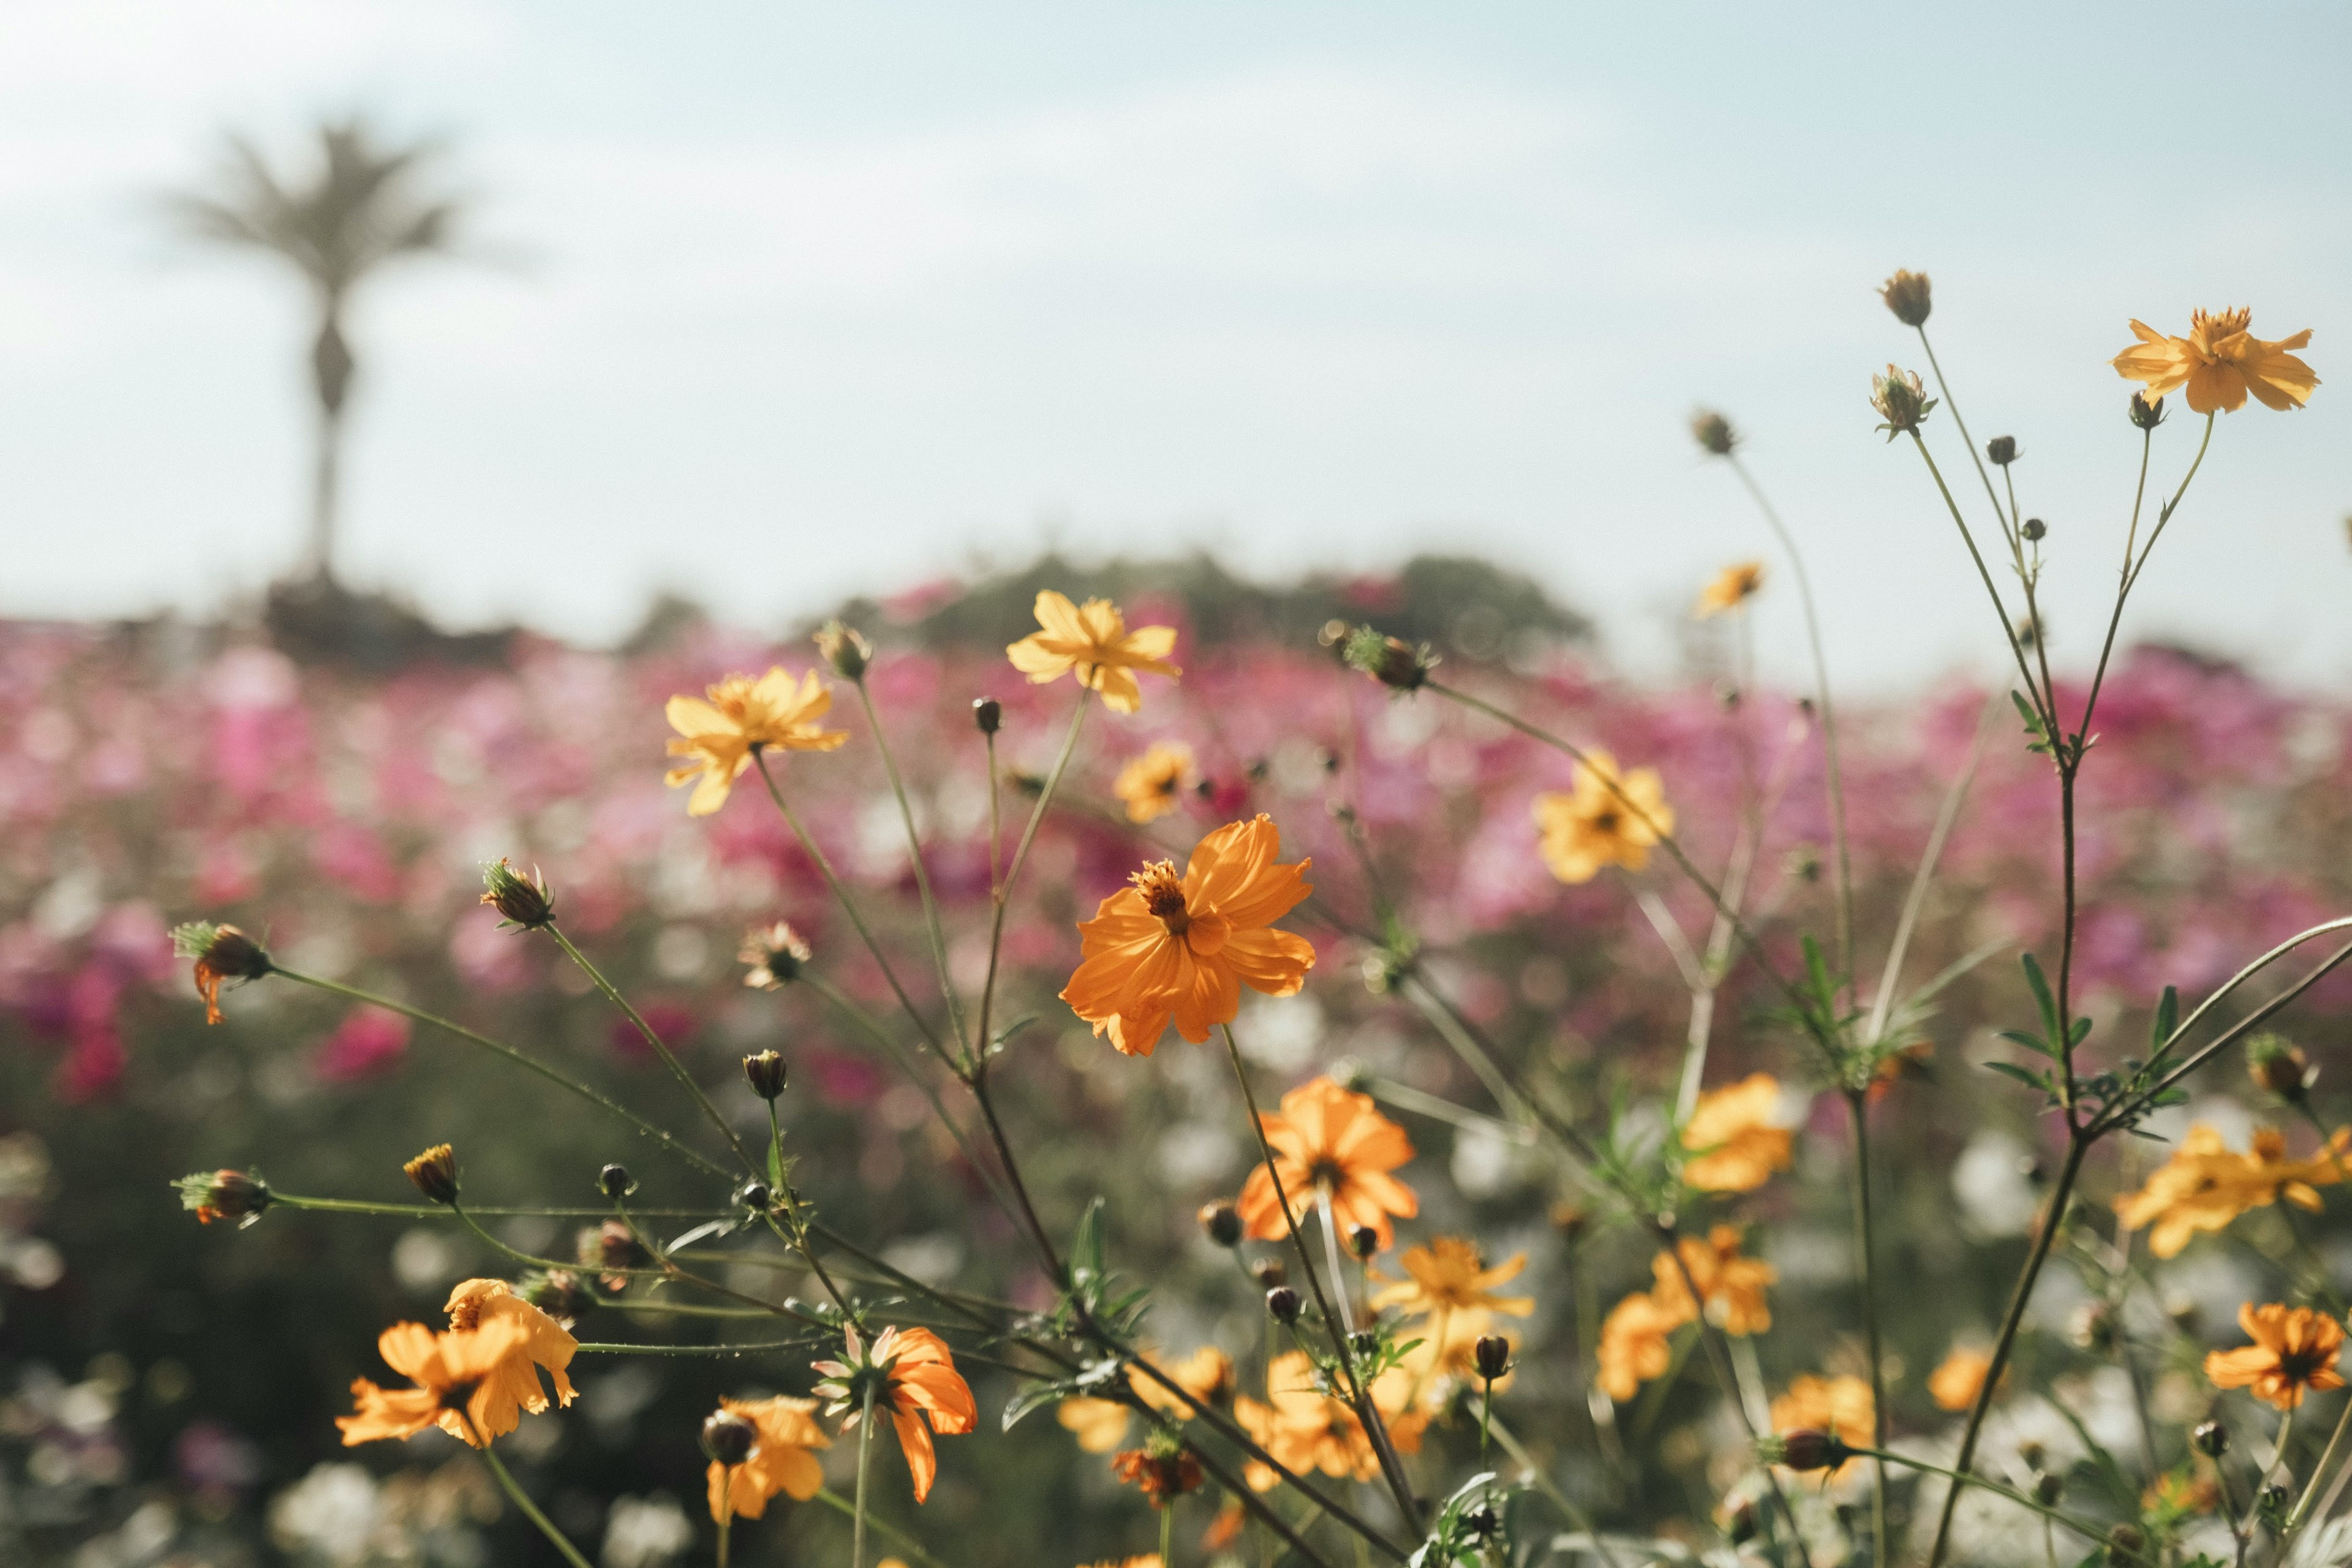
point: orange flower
(743, 716)
(1094, 641)
(1170, 949)
(1153, 782)
(1839, 1406)
(2204, 1187)
(1098, 1425)
(2219, 361)
(1329, 1140)
(1732, 1138)
(1955, 1384)
(1148, 1559)
(1730, 588)
(913, 1379)
(1606, 820)
(1731, 1286)
(1306, 1429)
(1162, 1478)
(1448, 1276)
(1207, 1375)
(451, 1371)
(512, 1386)
(782, 1457)
(1634, 1344)
(2294, 1351)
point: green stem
(865, 1456)
(1167, 1531)
(1866, 1262)
(2000, 611)
(1003, 898)
(530, 1509)
(899, 1538)
(915, 852)
(1559, 1499)
(2318, 1473)
(2084, 1528)
(2132, 568)
(806, 1341)
(435, 1211)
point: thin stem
(995, 816)
(1339, 1269)
(2084, 1528)
(424, 1211)
(2139, 1102)
(724, 1517)
(1865, 1256)
(1004, 895)
(1167, 1528)
(529, 1510)
(1952, 407)
(1947, 816)
(1559, 1499)
(2132, 569)
(865, 1455)
(899, 1538)
(552, 1074)
(915, 853)
(724, 1351)
(676, 1068)
(2000, 610)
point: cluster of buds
(1902, 401)
(521, 902)
(1393, 662)
(239, 1196)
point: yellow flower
(1607, 820)
(1206, 1376)
(1151, 783)
(1731, 588)
(1306, 1429)
(781, 1460)
(451, 1371)
(2294, 1351)
(1099, 1424)
(512, 1386)
(1448, 1276)
(743, 715)
(1634, 1346)
(2219, 361)
(2204, 1186)
(914, 1380)
(1955, 1384)
(1093, 640)
(1839, 1406)
(1732, 1137)
(1731, 1286)
(1330, 1141)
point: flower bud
(1283, 1303)
(1901, 401)
(1806, 1448)
(2032, 1454)
(2093, 1327)
(1714, 432)
(2276, 1062)
(1268, 1272)
(2048, 1489)
(1365, 1343)
(845, 649)
(1483, 1521)
(2126, 1544)
(2146, 416)
(1492, 1356)
(2211, 1438)
(988, 715)
(613, 1182)
(727, 1438)
(1363, 1241)
(1906, 295)
(435, 1171)
(613, 1246)
(776, 955)
(756, 1196)
(766, 1073)
(2002, 450)
(221, 954)
(559, 1293)
(1739, 1527)
(522, 901)
(2035, 529)
(1393, 662)
(1220, 1224)
(225, 1195)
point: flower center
(1326, 1174)
(2297, 1365)
(1163, 895)
(1605, 822)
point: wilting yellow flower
(2219, 361)
(1306, 1429)
(2204, 1186)
(1732, 1137)
(1731, 1286)
(1730, 588)
(1178, 950)
(2294, 1351)
(1839, 1406)
(1093, 640)
(719, 736)
(512, 1386)
(1153, 783)
(1330, 1141)
(1449, 1276)
(1956, 1383)
(1098, 1425)
(781, 1459)
(451, 1371)
(1607, 819)
(1634, 1346)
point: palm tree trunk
(330, 370)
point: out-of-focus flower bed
(167, 1389)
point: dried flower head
(1901, 401)
(221, 954)
(522, 900)
(1907, 295)
(1714, 432)
(239, 1196)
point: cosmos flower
(2218, 362)
(782, 1457)
(1955, 1384)
(1449, 1276)
(451, 1372)
(1330, 1141)
(512, 1386)
(1093, 641)
(1607, 819)
(2204, 1186)
(1734, 1138)
(719, 736)
(913, 1378)
(1152, 784)
(2293, 1354)
(1730, 589)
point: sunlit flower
(2218, 362)
(1152, 784)
(1608, 819)
(450, 1370)
(512, 1386)
(914, 1380)
(1306, 1429)
(1730, 588)
(1098, 1425)
(239, 1196)
(1449, 1276)
(1162, 1472)
(1734, 1138)
(1731, 1286)
(1093, 640)
(1178, 949)
(782, 1457)
(2293, 1352)
(2204, 1186)
(1148, 1559)
(776, 955)
(1635, 1345)
(742, 716)
(1207, 1375)
(1955, 1384)
(1330, 1141)
(1840, 1406)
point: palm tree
(357, 208)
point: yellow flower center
(1163, 895)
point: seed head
(1714, 432)
(765, 1072)
(1220, 1224)
(844, 649)
(1901, 400)
(435, 1171)
(1906, 294)
(2002, 450)
(523, 901)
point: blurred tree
(357, 208)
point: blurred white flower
(1990, 1179)
(329, 1515)
(646, 1533)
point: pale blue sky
(779, 302)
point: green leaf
(996, 1041)
(1034, 1397)
(1087, 1246)
(2081, 1029)
(2167, 1015)
(2034, 1043)
(2011, 1070)
(2041, 996)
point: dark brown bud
(614, 1182)
(1268, 1272)
(845, 649)
(1363, 1241)
(523, 901)
(1492, 1356)
(1220, 1224)
(2002, 450)
(2278, 1065)
(1483, 1521)
(727, 1438)
(559, 1293)
(2035, 529)
(435, 1171)
(1739, 1526)
(1906, 294)
(988, 715)
(756, 1196)
(2146, 416)
(2213, 1439)
(236, 1196)
(2126, 1544)
(2048, 1489)
(1283, 1303)
(766, 1073)
(1393, 662)
(1806, 1448)
(1714, 432)
(2034, 1455)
